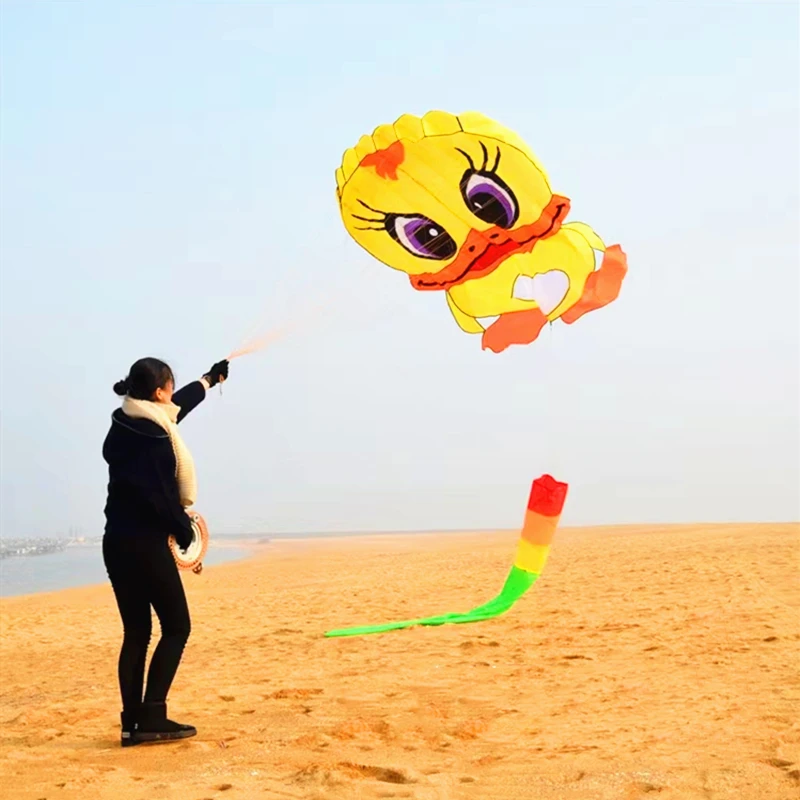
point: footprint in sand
(783, 764)
(779, 762)
(471, 729)
(485, 761)
(383, 774)
(333, 775)
(351, 728)
(293, 694)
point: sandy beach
(647, 662)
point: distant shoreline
(81, 566)
(48, 545)
(79, 563)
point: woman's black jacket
(143, 496)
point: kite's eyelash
(384, 214)
(380, 222)
(485, 163)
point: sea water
(76, 566)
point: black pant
(143, 573)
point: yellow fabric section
(586, 231)
(567, 251)
(531, 557)
(465, 322)
(409, 127)
(476, 123)
(435, 123)
(365, 146)
(439, 123)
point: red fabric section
(386, 161)
(547, 496)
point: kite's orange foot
(602, 287)
(515, 327)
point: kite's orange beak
(484, 251)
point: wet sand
(653, 662)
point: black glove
(185, 534)
(217, 373)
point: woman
(151, 483)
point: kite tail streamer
(545, 504)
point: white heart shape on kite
(547, 289)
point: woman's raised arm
(191, 395)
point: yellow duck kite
(462, 205)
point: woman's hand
(184, 536)
(217, 374)
(184, 539)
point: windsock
(542, 515)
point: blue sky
(167, 185)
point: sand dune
(659, 662)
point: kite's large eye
(421, 236)
(489, 198)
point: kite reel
(192, 557)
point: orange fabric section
(513, 327)
(539, 529)
(602, 286)
(386, 161)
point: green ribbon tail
(517, 583)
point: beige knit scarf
(165, 415)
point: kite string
(305, 315)
(253, 343)
(554, 406)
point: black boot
(128, 720)
(153, 725)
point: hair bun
(121, 387)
